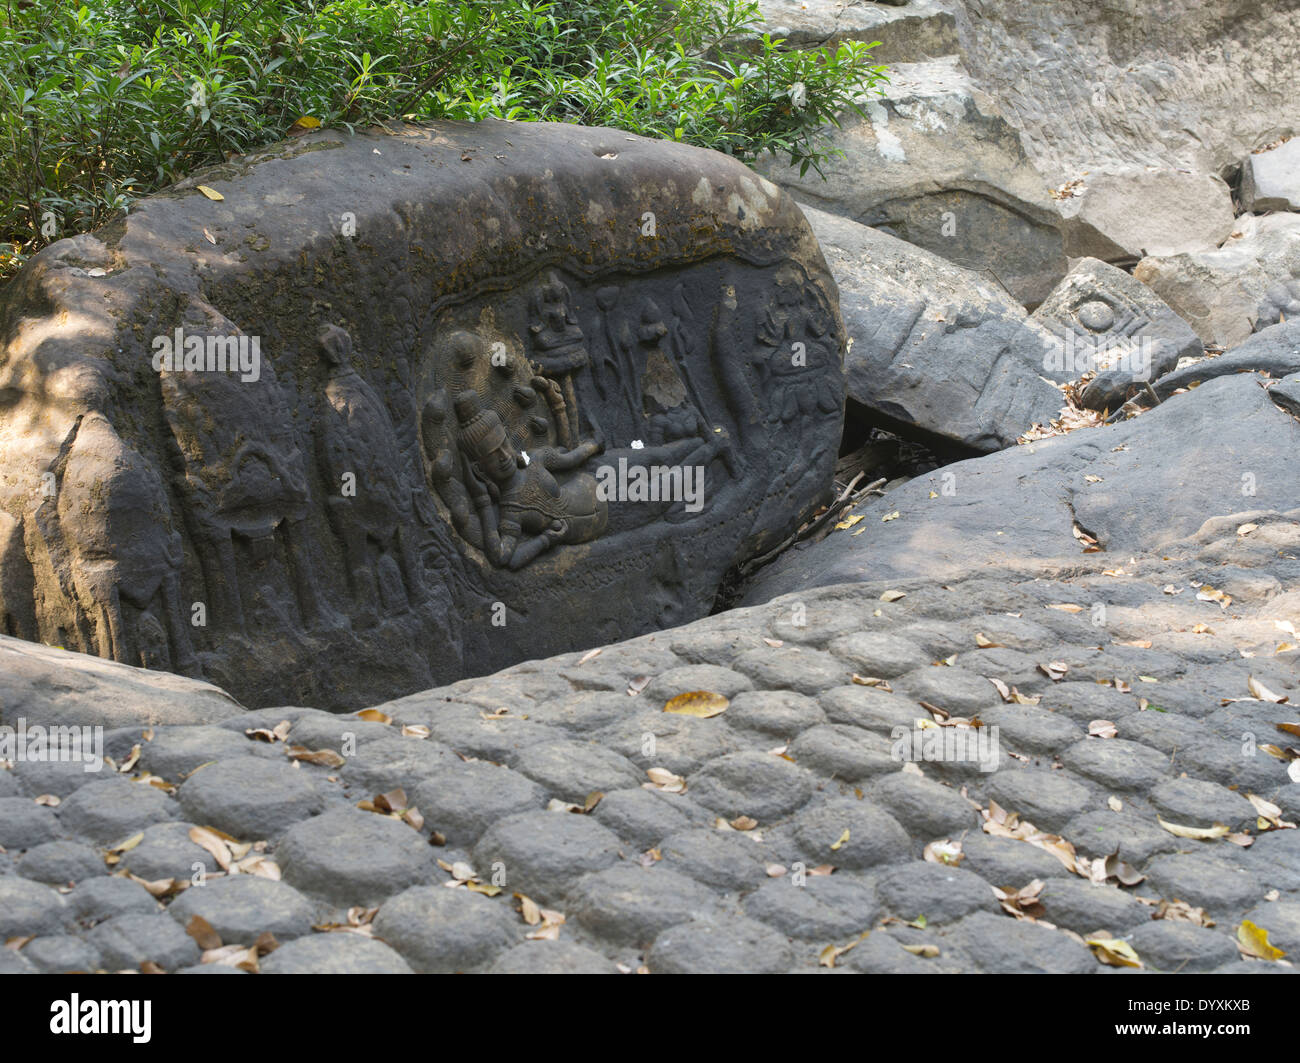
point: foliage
(107, 100)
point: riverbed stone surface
(511, 826)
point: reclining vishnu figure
(533, 510)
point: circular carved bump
(523, 396)
(1095, 315)
(538, 425)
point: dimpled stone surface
(630, 904)
(334, 954)
(126, 941)
(352, 857)
(849, 833)
(250, 797)
(655, 875)
(729, 945)
(111, 810)
(24, 823)
(754, 784)
(544, 853)
(29, 908)
(441, 931)
(242, 907)
(1048, 800)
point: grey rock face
(1113, 325)
(1134, 213)
(1141, 484)
(1270, 180)
(948, 174)
(326, 485)
(1245, 285)
(937, 351)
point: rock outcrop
(359, 414)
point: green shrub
(111, 99)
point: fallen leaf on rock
(1054, 670)
(889, 516)
(1066, 607)
(325, 758)
(484, 888)
(831, 953)
(159, 887)
(1114, 804)
(638, 684)
(665, 780)
(549, 930)
(1246, 529)
(1260, 691)
(1253, 940)
(926, 951)
(1181, 912)
(841, 841)
(48, 800)
(1194, 833)
(702, 704)
(1270, 815)
(211, 193)
(1125, 874)
(893, 596)
(208, 839)
(775, 870)
(1209, 594)
(743, 823)
(201, 931)
(415, 730)
(848, 522)
(278, 733)
(374, 716)
(943, 851)
(1141, 644)
(871, 681)
(1113, 952)
(1022, 903)
(591, 655)
(985, 643)
(1102, 729)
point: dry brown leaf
(1260, 691)
(203, 934)
(325, 758)
(1194, 833)
(1253, 940)
(702, 704)
(1113, 952)
(374, 716)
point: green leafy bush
(110, 99)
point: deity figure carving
(524, 509)
(242, 475)
(357, 438)
(111, 521)
(559, 349)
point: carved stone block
(365, 414)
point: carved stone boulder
(358, 415)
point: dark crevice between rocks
(874, 457)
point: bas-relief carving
(510, 412)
